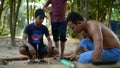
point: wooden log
(25, 57)
(15, 58)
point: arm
(30, 47)
(96, 34)
(46, 5)
(24, 40)
(79, 49)
(49, 43)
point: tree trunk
(13, 19)
(1, 9)
(33, 9)
(87, 9)
(31, 13)
(12, 15)
(78, 5)
(81, 7)
(3, 26)
(72, 6)
(97, 12)
(108, 15)
(27, 11)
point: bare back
(102, 37)
(110, 40)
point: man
(101, 44)
(33, 38)
(57, 14)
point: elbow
(99, 49)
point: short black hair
(40, 12)
(74, 17)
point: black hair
(74, 17)
(39, 12)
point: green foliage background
(72, 5)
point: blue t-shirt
(35, 34)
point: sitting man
(101, 44)
(34, 33)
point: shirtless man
(102, 44)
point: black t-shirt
(35, 34)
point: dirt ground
(8, 52)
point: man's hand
(49, 47)
(73, 56)
(32, 50)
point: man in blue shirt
(33, 38)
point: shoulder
(93, 23)
(31, 24)
(43, 26)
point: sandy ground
(8, 52)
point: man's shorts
(42, 50)
(59, 31)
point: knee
(54, 51)
(22, 51)
(84, 59)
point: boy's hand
(49, 47)
(32, 50)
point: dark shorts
(41, 51)
(59, 31)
